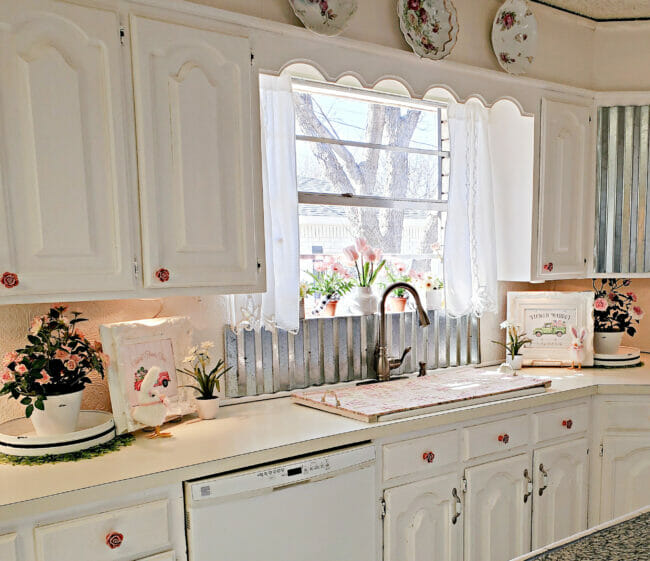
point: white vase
(363, 301)
(59, 414)
(515, 362)
(207, 408)
(434, 299)
(607, 342)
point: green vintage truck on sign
(550, 329)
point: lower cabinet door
(498, 509)
(625, 475)
(421, 522)
(560, 494)
(8, 547)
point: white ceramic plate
(626, 356)
(514, 36)
(17, 437)
(325, 17)
(430, 27)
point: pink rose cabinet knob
(548, 267)
(428, 457)
(505, 438)
(163, 275)
(9, 280)
(114, 539)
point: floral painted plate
(430, 27)
(514, 36)
(325, 17)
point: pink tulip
(351, 253)
(370, 254)
(361, 244)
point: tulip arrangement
(615, 310)
(368, 270)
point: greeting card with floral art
(547, 319)
(135, 347)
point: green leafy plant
(331, 281)
(516, 339)
(206, 380)
(58, 359)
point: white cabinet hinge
(136, 268)
(463, 485)
(602, 451)
(122, 34)
(382, 509)
(252, 58)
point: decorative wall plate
(430, 27)
(514, 36)
(325, 17)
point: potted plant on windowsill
(515, 341)
(615, 313)
(206, 381)
(49, 374)
(330, 281)
(432, 289)
(368, 264)
(397, 272)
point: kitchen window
(375, 166)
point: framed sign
(547, 319)
(133, 348)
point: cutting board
(416, 396)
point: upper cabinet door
(64, 212)
(567, 188)
(199, 191)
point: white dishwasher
(314, 508)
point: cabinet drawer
(8, 547)
(565, 421)
(420, 455)
(626, 415)
(497, 436)
(135, 531)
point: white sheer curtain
(470, 253)
(278, 307)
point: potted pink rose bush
(49, 373)
(615, 312)
(367, 263)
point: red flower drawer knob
(548, 267)
(429, 457)
(9, 280)
(163, 275)
(505, 438)
(568, 423)
(114, 539)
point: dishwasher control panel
(279, 475)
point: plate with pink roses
(430, 27)
(514, 36)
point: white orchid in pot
(48, 374)
(516, 339)
(206, 380)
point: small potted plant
(516, 339)
(615, 313)
(432, 287)
(330, 281)
(368, 264)
(48, 375)
(397, 272)
(206, 381)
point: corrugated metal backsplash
(331, 350)
(623, 177)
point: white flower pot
(207, 408)
(515, 362)
(59, 415)
(607, 342)
(363, 301)
(434, 299)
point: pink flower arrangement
(366, 260)
(615, 311)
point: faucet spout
(384, 364)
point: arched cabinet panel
(194, 130)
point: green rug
(118, 442)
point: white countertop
(265, 431)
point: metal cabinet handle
(458, 506)
(529, 486)
(544, 479)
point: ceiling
(603, 10)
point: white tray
(626, 356)
(17, 437)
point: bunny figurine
(577, 350)
(151, 410)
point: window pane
(331, 116)
(327, 168)
(412, 236)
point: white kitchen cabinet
(625, 475)
(64, 200)
(567, 190)
(199, 189)
(423, 521)
(498, 509)
(560, 493)
(8, 547)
